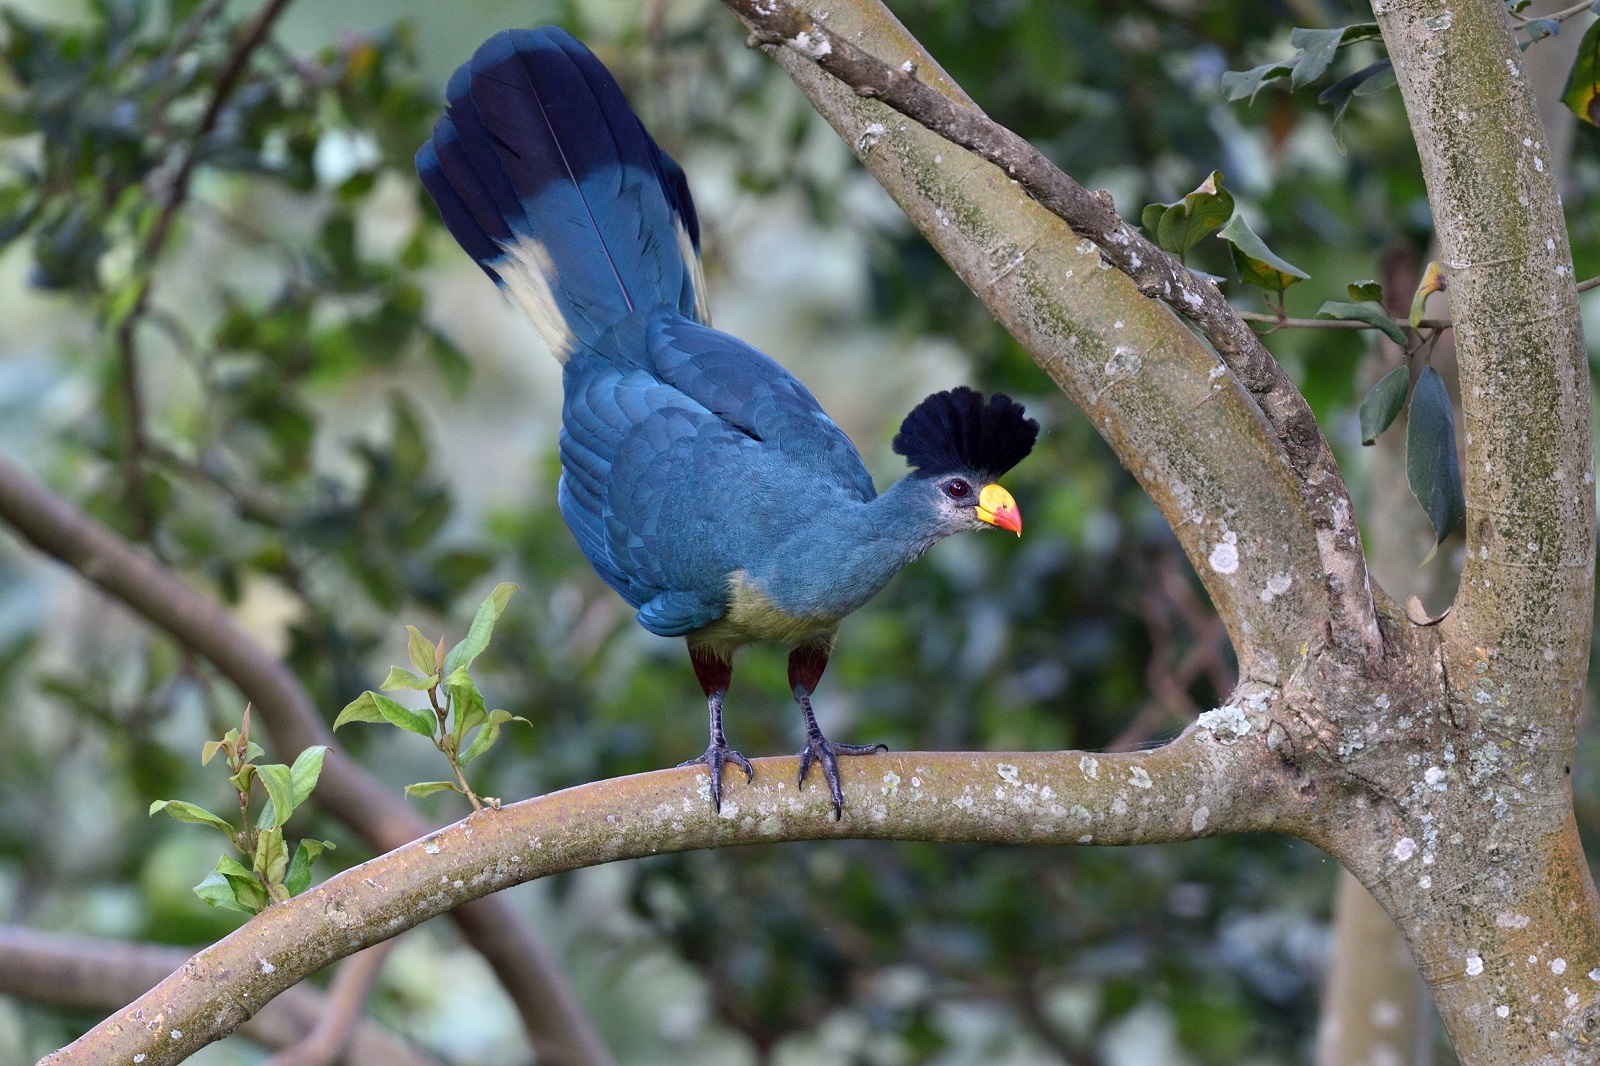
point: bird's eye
(958, 489)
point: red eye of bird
(958, 489)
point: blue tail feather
(547, 178)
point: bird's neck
(850, 551)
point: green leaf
(234, 887)
(420, 722)
(1432, 467)
(1257, 263)
(482, 628)
(305, 771)
(189, 812)
(1369, 79)
(1382, 405)
(1365, 290)
(1181, 225)
(272, 856)
(361, 709)
(209, 752)
(299, 876)
(1317, 49)
(279, 782)
(375, 707)
(421, 650)
(466, 705)
(490, 733)
(400, 677)
(428, 788)
(1238, 84)
(241, 780)
(1583, 83)
(1371, 314)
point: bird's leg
(806, 664)
(714, 673)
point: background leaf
(1432, 467)
(1384, 403)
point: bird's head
(958, 446)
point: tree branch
(1190, 434)
(559, 1029)
(81, 973)
(1527, 587)
(325, 1044)
(1156, 274)
(1201, 784)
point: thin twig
(150, 252)
(1155, 273)
(1565, 13)
(325, 1044)
(1282, 322)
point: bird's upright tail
(548, 179)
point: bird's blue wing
(648, 479)
(755, 394)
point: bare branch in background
(556, 1022)
(83, 973)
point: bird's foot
(822, 750)
(716, 757)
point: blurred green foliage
(326, 446)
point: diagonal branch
(1201, 784)
(556, 1022)
(1156, 274)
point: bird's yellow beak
(996, 507)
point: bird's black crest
(956, 432)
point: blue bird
(701, 479)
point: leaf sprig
(456, 718)
(272, 876)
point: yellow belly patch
(752, 616)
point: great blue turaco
(701, 479)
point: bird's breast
(753, 616)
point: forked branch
(1157, 275)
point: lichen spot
(1224, 557)
(1008, 773)
(1502, 1011)
(1226, 719)
(1276, 586)
(1558, 966)
(1198, 820)
(891, 783)
(431, 849)
(1474, 964)
(1405, 848)
(1090, 766)
(267, 967)
(1139, 778)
